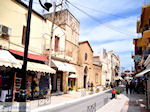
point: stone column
(65, 82)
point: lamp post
(24, 66)
(46, 6)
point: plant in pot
(70, 89)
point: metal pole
(24, 66)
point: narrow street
(74, 55)
(69, 103)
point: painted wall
(14, 16)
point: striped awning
(8, 60)
(62, 66)
(32, 66)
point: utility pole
(52, 30)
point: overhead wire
(92, 9)
(98, 21)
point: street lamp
(46, 6)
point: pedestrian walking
(127, 87)
(131, 87)
(92, 86)
(113, 93)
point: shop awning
(32, 66)
(62, 66)
(141, 74)
(8, 60)
(73, 76)
(30, 56)
(70, 67)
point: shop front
(38, 83)
(6, 84)
(72, 81)
(57, 82)
(8, 66)
(145, 76)
(148, 90)
(60, 79)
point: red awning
(30, 56)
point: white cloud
(126, 61)
(122, 29)
(117, 46)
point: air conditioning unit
(4, 30)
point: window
(56, 43)
(85, 70)
(24, 34)
(85, 56)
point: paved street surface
(74, 103)
(126, 103)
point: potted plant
(70, 90)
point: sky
(112, 26)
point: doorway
(84, 80)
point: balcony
(146, 34)
(58, 54)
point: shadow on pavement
(136, 103)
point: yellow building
(142, 44)
(14, 16)
(66, 51)
(13, 20)
(89, 72)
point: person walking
(131, 87)
(88, 85)
(127, 87)
(113, 93)
(92, 86)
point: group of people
(90, 85)
(135, 86)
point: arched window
(85, 70)
(86, 56)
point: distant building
(110, 65)
(89, 72)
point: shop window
(86, 56)
(56, 43)
(24, 34)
